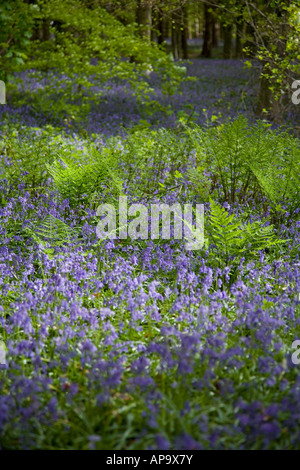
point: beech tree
(144, 17)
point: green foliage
(52, 231)
(200, 183)
(272, 40)
(148, 155)
(167, 357)
(277, 171)
(77, 179)
(237, 160)
(24, 154)
(230, 238)
(223, 152)
(16, 24)
(78, 168)
(78, 342)
(278, 48)
(224, 230)
(84, 48)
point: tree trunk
(197, 29)
(175, 42)
(190, 35)
(163, 30)
(45, 30)
(184, 33)
(264, 98)
(154, 28)
(250, 41)
(215, 34)
(240, 29)
(176, 36)
(144, 18)
(207, 35)
(227, 50)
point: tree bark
(175, 42)
(184, 32)
(250, 42)
(144, 18)
(163, 30)
(45, 30)
(240, 29)
(227, 50)
(197, 30)
(264, 97)
(176, 35)
(215, 33)
(207, 34)
(189, 26)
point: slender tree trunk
(144, 17)
(250, 41)
(184, 32)
(189, 27)
(221, 32)
(176, 36)
(197, 29)
(227, 50)
(163, 30)
(215, 34)
(45, 30)
(240, 30)
(154, 29)
(153, 35)
(264, 97)
(207, 34)
(176, 43)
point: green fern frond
(266, 178)
(52, 231)
(233, 238)
(74, 179)
(225, 231)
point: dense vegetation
(142, 344)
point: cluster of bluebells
(221, 89)
(147, 324)
(142, 344)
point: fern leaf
(52, 231)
